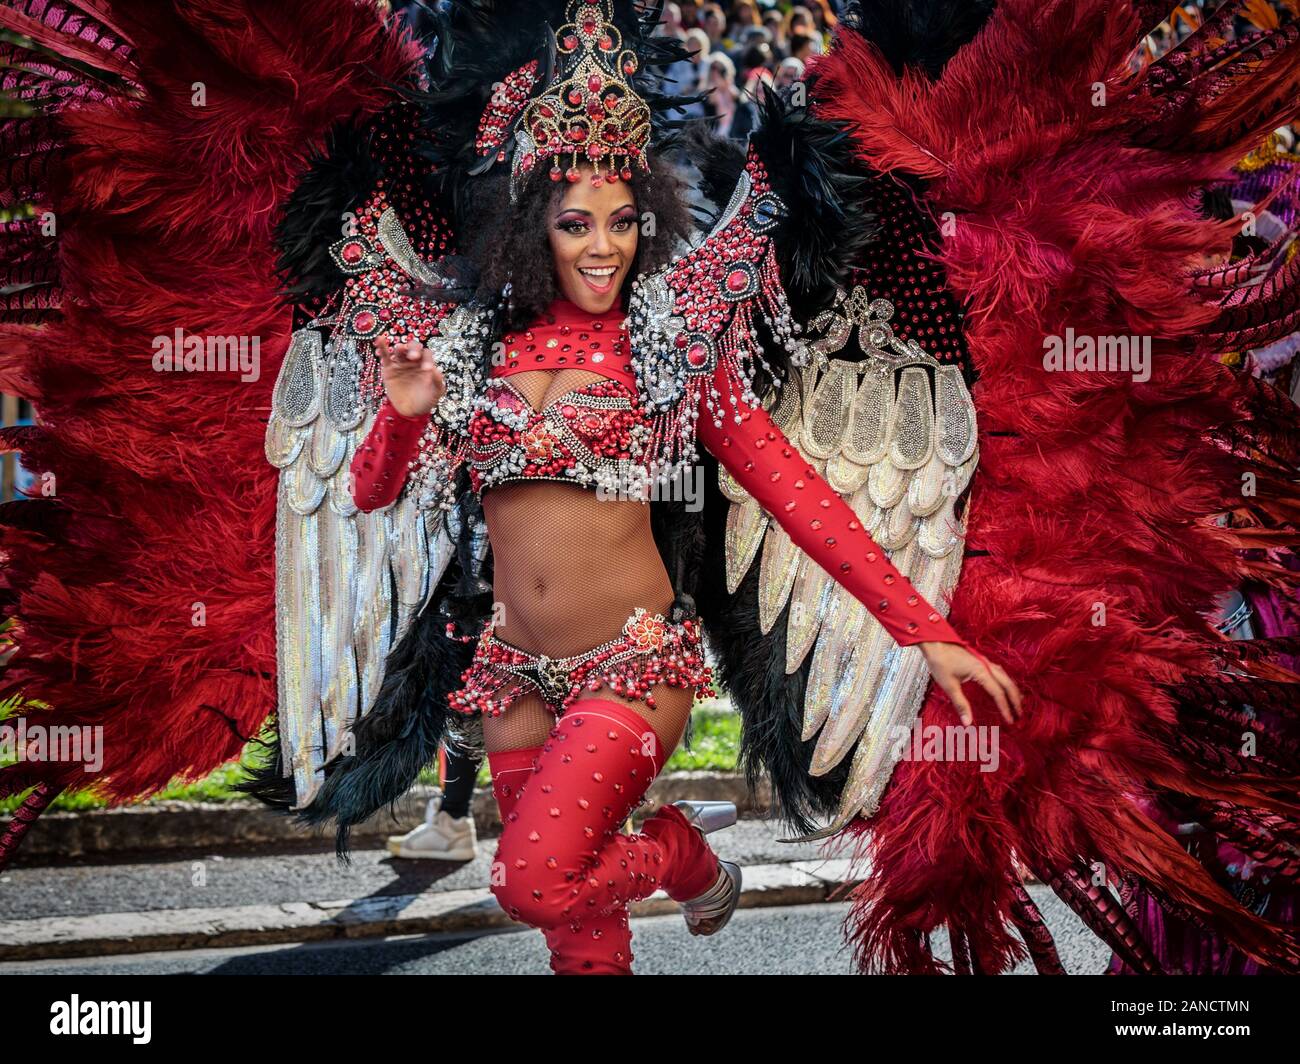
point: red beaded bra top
(591, 435)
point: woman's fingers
(1012, 690)
(952, 688)
(406, 351)
(986, 680)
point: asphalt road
(800, 940)
(217, 879)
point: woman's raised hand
(412, 380)
(951, 665)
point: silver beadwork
(901, 451)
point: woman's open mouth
(598, 278)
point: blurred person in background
(735, 113)
(756, 65)
(684, 78)
(803, 45)
(714, 23)
(774, 23)
(789, 72)
(799, 20)
(744, 15)
(670, 22)
(823, 18)
(447, 833)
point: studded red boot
(599, 946)
(561, 857)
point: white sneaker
(441, 837)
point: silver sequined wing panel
(347, 583)
(894, 434)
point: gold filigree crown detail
(589, 110)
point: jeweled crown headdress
(588, 109)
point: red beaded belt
(649, 650)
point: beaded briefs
(649, 650)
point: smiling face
(593, 236)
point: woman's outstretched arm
(767, 465)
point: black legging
(458, 781)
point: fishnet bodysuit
(569, 567)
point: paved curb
(115, 934)
(168, 827)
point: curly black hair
(509, 242)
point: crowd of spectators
(735, 46)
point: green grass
(714, 747)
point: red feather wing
(162, 142)
(1066, 186)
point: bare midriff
(569, 566)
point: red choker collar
(567, 337)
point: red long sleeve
(380, 464)
(764, 462)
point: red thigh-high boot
(563, 859)
(600, 945)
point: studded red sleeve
(380, 465)
(764, 462)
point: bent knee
(537, 890)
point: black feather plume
(750, 666)
(719, 160)
(918, 33)
(340, 176)
(827, 228)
